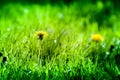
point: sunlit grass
(68, 52)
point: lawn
(59, 42)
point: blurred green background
(101, 11)
(116, 3)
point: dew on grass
(28, 71)
(55, 41)
(77, 45)
(117, 42)
(60, 15)
(26, 11)
(64, 31)
(8, 29)
(103, 45)
(50, 30)
(107, 53)
(69, 70)
(25, 40)
(65, 71)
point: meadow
(68, 52)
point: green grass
(73, 56)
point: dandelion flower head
(97, 37)
(41, 34)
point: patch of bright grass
(68, 52)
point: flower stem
(40, 54)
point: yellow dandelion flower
(41, 35)
(97, 37)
